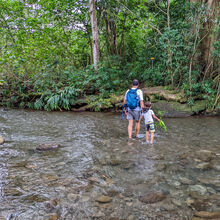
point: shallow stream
(96, 173)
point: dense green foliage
(46, 59)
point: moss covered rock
(176, 109)
(168, 103)
(162, 93)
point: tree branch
(9, 31)
(159, 8)
(154, 27)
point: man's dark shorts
(134, 115)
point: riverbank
(166, 103)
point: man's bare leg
(130, 126)
(137, 128)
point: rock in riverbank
(176, 109)
(204, 166)
(208, 215)
(152, 197)
(46, 147)
(103, 199)
(2, 140)
(169, 103)
(205, 155)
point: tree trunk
(207, 36)
(111, 36)
(170, 69)
(95, 35)
(207, 43)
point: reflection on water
(180, 171)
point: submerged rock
(216, 167)
(50, 177)
(204, 166)
(98, 214)
(34, 198)
(197, 218)
(210, 181)
(177, 202)
(103, 199)
(197, 191)
(93, 180)
(114, 162)
(152, 197)
(54, 217)
(198, 204)
(31, 166)
(185, 181)
(208, 215)
(113, 192)
(20, 164)
(205, 155)
(167, 205)
(127, 165)
(161, 166)
(12, 192)
(131, 217)
(2, 140)
(46, 147)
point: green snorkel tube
(161, 122)
(162, 125)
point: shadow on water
(98, 174)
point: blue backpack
(132, 99)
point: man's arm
(125, 101)
(142, 104)
(125, 104)
(141, 99)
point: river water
(96, 173)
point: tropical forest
(56, 55)
(109, 109)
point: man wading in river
(133, 103)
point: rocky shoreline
(166, 103)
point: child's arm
(154, 116)
(142, 114)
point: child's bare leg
(152, 138)
(147, 136)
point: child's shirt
(148, 116)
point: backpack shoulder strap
(129, 90)
(133, 90)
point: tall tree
(207, 36)
(95, 34)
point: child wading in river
(148, 115)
